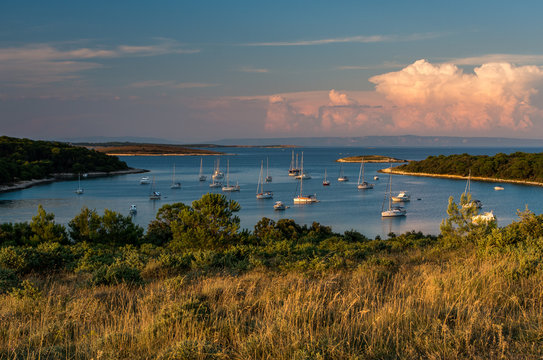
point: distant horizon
(373, 140)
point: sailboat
(325, 182)
(202, 177)
(215, 183)
(341, 176)
(268, 177)
(175, 184)
(217, 174)
(154, 195)
(363, 185)
(79, 189)
(478, 204)
(293, 170)
(228, 187)
(392, 211)
(304, 199)
(260, 193)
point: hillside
(518, 166)
(25, 159)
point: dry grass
(448, 308)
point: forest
(24, 159)
(194, 285)
(515, 166)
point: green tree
(209, 224)
(85, 226)
(44, 228)
(459, 227)
(159, 230)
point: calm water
(341, 205)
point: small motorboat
(279, 205)
(498, 188)
(145, 180)
(403, 196)
(132, 210)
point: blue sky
(199, 71)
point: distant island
(519, 167)
(25, 162)
(134, 149)
(370, 159)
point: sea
(341, 205)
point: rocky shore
(64, 176)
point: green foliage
(26, 290)
(112, 228)
(459, 227)
(516, 166)
(15, 234)
(24, 159)
(159, 230)
(8, 280)
(44, 259)
(209, 224)
(44, 229)
(118, 272)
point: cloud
(170, 84)
(442, 97)
(320, 113)
(348, 39)
(39, 64)
(518, 59)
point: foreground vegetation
(516, 166)
(24, 159)
(195, 286)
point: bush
(116, 273)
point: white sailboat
(260, 193)
(154, 195)
(268, 177)
(79, 189)
(228, 187)
(392, 211)
(325, 182)
(304, 199)
(217, 174)
(342, 177)
(478, 204)
(175, 184)
(363, 185)
(201, 177)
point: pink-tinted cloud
(443, 97)
(322, 113)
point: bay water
(342, 206)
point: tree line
(515, 166)
(25, 159)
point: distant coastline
(20, 185)
(460, 177)
(370, 159)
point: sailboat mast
(359, 173)
(302, 172)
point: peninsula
(134, 149)
(370, 159)
(518, 168)
(25, 163)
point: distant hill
(24, 159)
(390, 141)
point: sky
(198, 71)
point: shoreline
(20, 185)
(459, 177)
(167, 154)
